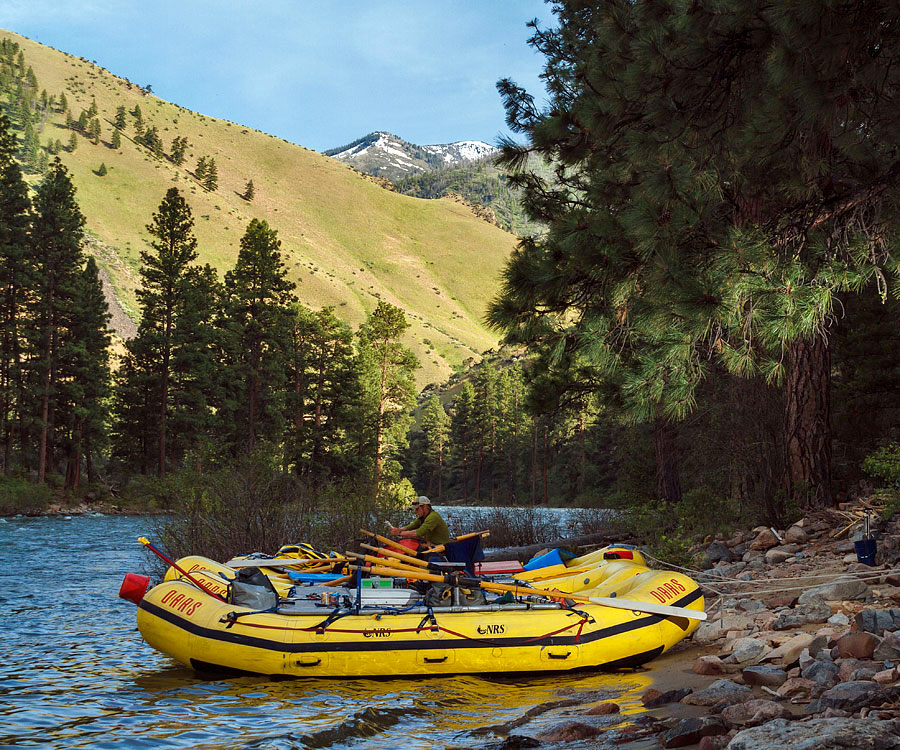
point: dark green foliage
(88, 388)
(202, 166)
(120, 120)
(322, 399)
(150, 138)
(116, 139)
(211, 176)
(57, 283)
(178, 150)
(249, 191)
(480, 182)
(15, 223)
(151, 357)
(101, 170)
(196, 387)
(388, 386)
(258, 310)
(711, 200)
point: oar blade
(649, 607)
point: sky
(319, 73)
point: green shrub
(18, 495)
(885, 464)
(514, 527)
(254, 506)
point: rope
(706, 583)
(579, 624)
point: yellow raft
(324, 631)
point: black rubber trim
(385, 644)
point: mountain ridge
(346, 242)
(384, 154)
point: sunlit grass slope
(347, 242)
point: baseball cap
(420, 500)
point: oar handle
(146, 542)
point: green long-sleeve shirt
(432, 528)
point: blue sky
(320, 74)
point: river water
(76, 673)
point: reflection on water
(76, 673)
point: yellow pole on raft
(614, 603)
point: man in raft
(428, 526)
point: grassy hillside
(347, 242)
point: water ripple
(77, 674)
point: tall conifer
(163, 273)
(57, 265)
(15, 223)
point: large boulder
(843, 588)
(720, 691)
(818, 734)
(754, 712)
(764, 540)
(762, 674)
(878, 620)
(849, 696)
(690, 731)
(858, 645)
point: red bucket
(134, 587)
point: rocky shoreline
(801, 649)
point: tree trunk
(668, 483)
(47, 380)
(807, 422)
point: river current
(76, 673)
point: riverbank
(802, 647)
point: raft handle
(309, 663)
(551, 655)
(435, 660)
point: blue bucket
(865, 551)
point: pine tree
(436, 426)
(88, 387)
(101, 170)
(249, 191)
(120, 120)
(73, 143)
(58, 260)
(15, 222)
(63, 103)
(165, 268)
(202, 166)
(138, 119)
(197, 345)
(713, 201)
(179, 147)
(322, 395)
(388, 382)
(211, 176)
(259, 299)
(94, 131)
(116, 141)
(92, 110)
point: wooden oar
(388, 542)
(441, 547)
(392, 564)
(398, 555)
(284, 562)
(605, 601)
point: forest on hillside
(707, 326)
